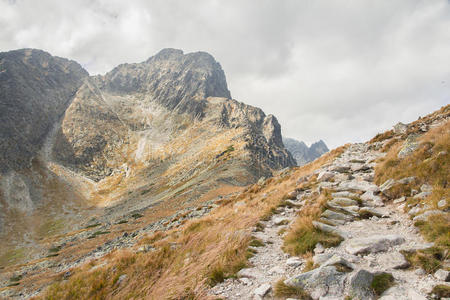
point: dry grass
(429, 260)
(303, 237)
(283, 291)
(428, 164)
(188, 259)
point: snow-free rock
(373, 244)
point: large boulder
(373, 244)
(320, 282)
(360, 285)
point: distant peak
(168, 53)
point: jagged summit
(302, 153)
(173, 79)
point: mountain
(146, 139)
(302, 153)
(352, 224)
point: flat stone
(373, 212)
(320, 282)
(341, 201)
(294, 203)
(294, 262)
(329, 214)
(344, 194)
(373, 244)
(422, 195)
(414, 210)
(325, 176)
(442, 275)
(393, 260)
(249, 273)
(332, 222)
(358, 185)
(348, 210)
(319, 259)
(338, 260)
(262, 290)
(280, 220)
(340, 168)
(400, 200)
(330, 229)
(427, 214)
(370, 196)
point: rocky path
(374, 234)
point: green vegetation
(50, 227)
(382, 282)
(256, 243)
(428, 259)
(283, 290)
(12, 256)
(305, 237)
(137, 215)
(97, 233)
(441, 291)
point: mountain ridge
(302, 153)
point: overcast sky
(340, 71)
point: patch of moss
(381, 282)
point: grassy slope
(187, 259)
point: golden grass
(190, 258)
(303, 237)
(283, 291)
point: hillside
(302, 153)
(353, 224)
(88, 158)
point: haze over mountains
(302, 153)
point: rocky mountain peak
(35, 90)
(302, 153)
(175, 80)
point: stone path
(374, 235)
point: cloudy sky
(337, 70)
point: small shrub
(382, 282)
(283, 290)
(216, 276)
(428, 259)
(137, 215)
(256, 243)
(441, 291)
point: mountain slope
(302, 153)
(243, 248)
(161, 134)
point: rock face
(163, 130)
(152, 104)
(302, 153)
(35, 90)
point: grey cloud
(337, 70)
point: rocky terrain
(150, 139)
(150, 182)
(302, 153)
(378, 234)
